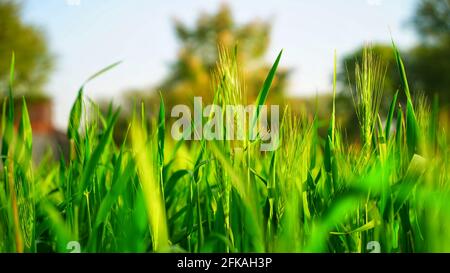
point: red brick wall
(40, 112)
(41, 116)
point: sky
(87, 35)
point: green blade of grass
(172, 181)
(8, 133)
(117, 189)
(368, 226)
(93, 161)
(390, 115)
(101, 71)
(331, 129)
(25, 131)
(399, 134)
(57, 226)
(10, 88)
(412, 129)
(152, 191)
(76, 111)
(262, 95)
(402, 72)
(161, 130)
(434, 124)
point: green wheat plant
(315, 193)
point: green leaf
(161, 130)
(93, 161)
(8, 133)
(402, 72)
(328, 154)
(332, 128)
(117, 188)
(170, 184)
(412, 130)
(262, 96)
(368, 226)
(399, 127)
(25, 131)
(10, 91)
(58, 226)
(390, 115)
(102, 71)
(76, 111)
(75, 116)
(434, 124)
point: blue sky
(95, 33)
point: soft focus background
(171, 46)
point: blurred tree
(33, 61)
(427, 64)
(432, 20)
(430, 60)
(191, 73)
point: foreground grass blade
(76, 111)
(25, 131)
(390, 116)
(8, 132)
(262, 95)
(320, 191)
(412, 130)
(89, 170)
(101, 72)
(161, 130)
(151, 189)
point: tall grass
(313, 194)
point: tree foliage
(427, 61)
(430, 60)
(432, 19)
(33, 60)
(198, 52)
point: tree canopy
(432, 19)
(33, 60)
(426, 63)
(190, 74)
(430, 60)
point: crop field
(388, 191)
